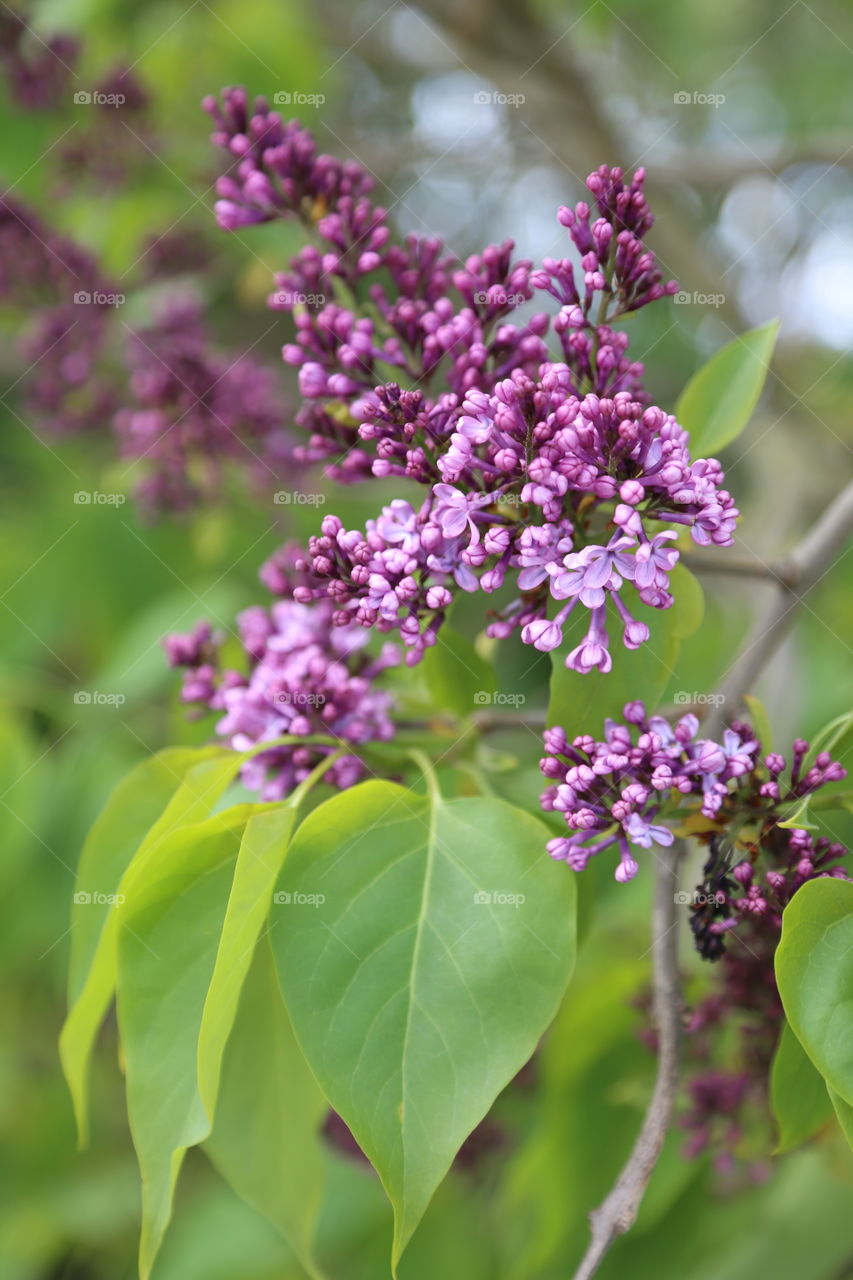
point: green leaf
(797, 1094)
(798, 815)
(833, 737)
(832, 800)
(457, 678)
(134, 806)
(720, 398)
(581, 703)
(265, 1140)
(844, 1114)
(259, 860)
(117, 842)
(814, 973)
(167, 946)
(423, 946)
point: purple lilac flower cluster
(195, 410)
(305, 677)
(611, 792)
(38, 70)
(551, 476)
(97, 152)
(60, 287)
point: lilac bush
(496, 406)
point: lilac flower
(306, 677)
(195, 410)
(644, 833)
(522, 458)
(39, 72)
(611, 792)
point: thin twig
(725, 563)
(809, 561)
(619, 1211)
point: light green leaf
(833, 737)
(196, 779)
(134, 806)
(720, 398)
(262, 851)
(797, 1094)
(265, 1140)
(844, 1114)
(423, 950)
(798, 816)
(814, 973)
(168, 932)
(457, 678)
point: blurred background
(478, 118)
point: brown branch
(715, 170)
(808, 562)
(726, 564)
(619, 1211)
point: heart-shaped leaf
(423, 946)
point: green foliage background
(87, 592)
